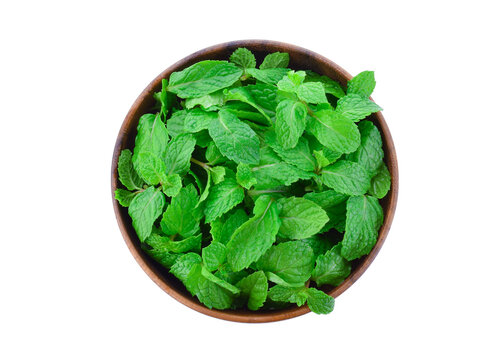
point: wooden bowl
(300, 59)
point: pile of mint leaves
(256, 186)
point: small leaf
(370, 153)
(275, 60)
(124, 197)
(301, 218)
(178, 154)
(197, 120)
(222, 198)
(245, 176)
(290, 122)
(171, 185)
(356, 107)
(144, 209)
(346, 177)
(319, 302)
(363, 84)
(254, 288)
(380, 183)
(331, 268)
(243, 58)
(312, 92)
(214, 255)
(126, 173)
(268, 76)
(182, 216)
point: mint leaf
(334, 131)
(364, 217)
(380, 182)
(171, 185)
(245, 176)
(182, 215)
(235, 139)
(268, 76)
(356, 107)
(275, 60)
(214, 255)
(144, 209)
(326, 199)
(291, 261)
(330, 86)
(346, 177)
(243, 58)
(203, 78)
(175, 125)
(213, 155)
(249, 242)
(218, 173)
(244, 111)
(363, 84)
(206, 101)
(299, 156)
(254, 288)
(290, 122)
(198, 119)
(162, 256)
(319, 302)
(150, 167)
(297, 295)
(166, 99)
(318, 244)
(312, 92)
(126, 173)
(291, 81)
(164, 244)
(217, 280)
(184, 264)
(370, 153)
(331, 268)
(301, 218)
(210, 293)
(337, 218)
(233, 222)
(178, 154)
(124, 197)
(262, 97)
(222, 198)
(151, 136)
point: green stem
(199, 163)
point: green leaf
(356, 107)
(331, 268)
(217, 280)
(222, 198)
(334, 131)
(228, 275)
(126, 173)
(268, 76)
(213, 155)
(254, 288)
(318, 244)
(364, 217)
(363, 84)
(291, 261)
(262, 97)
(206, 101)
(235, 139)
(381, 182)
(245, 176)
(297, 295)
(312, 92)
(216, 227)
(124, 197)
(291, 81)
(175, 125)
(218, 173)
(275, 60)
(330, 86)
(198, 119)
(326, 199)
(337, 217)
(150, 167)
(214, 255)
(346, 177)
(301, 218)
(166, 99)
(290, 122)
(171, 185)
(370, 153)
(162, 256)
(184, 264)
(251, 240)
(182, 215)
(245, 111)
(233, 222)
(144, 209)
(319, 302)
(299, 156)
(178, 154)
(243, 58)
(162, 243)
(203, 78)
(322, 160)
(152, 136)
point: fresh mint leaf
(233, 222)
(172, 184)
(213, 155)
(217, 280)
(346, 177)
(312, 92)
(380, 182)
(178, 154)
(364, 217)
(124, 197)
(152, 136)
(275, 60)
(243, 58)
(245, 176)
(175, 125)
(184, 264)
(165, 244)
(182, 216)
(319, 302)
(330, 86)
(151, 168)
(218, 173)
(291, 81)
(206, 101)
(301, 218)
(250, 241)
(198, 119)
(203, 78)
(298, 295)
(268, 76)
(144, 209)
(318, 244)
(126, 173)
(235, 139)
(254, 288)
(356, 107)
(244, 111)
(262, 97)
(363, 84)
(370, 153)
(214, 256)
(331, 268)
(326, 199)
(222, 198)
(299, 156)
(290, 122)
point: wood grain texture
(300, 59)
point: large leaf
(222, 198)
(301, 218)
(144, 209)
(346, 177)
(370, 153)
(126, 173)
(290, 122)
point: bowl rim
(254, 317)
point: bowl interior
(299, 59)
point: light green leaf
(182, 215)
(150, 167)
(198, 119)
(214, 255)
(290, 122)
(301, 218)
(213, 155)
(124, 197)
(178, 154)
(152, 136)
(243, 58)
(233, 222)
(319, 302)
(206, 101)
(330, 86)
(268, 76)
(334, 131)
(175, 125)
(235, 139)
(291, 261)
(346, 177)
(172, 184)
(312, 92)
(364, 217)
(254, 289)
(291, 81)
(381, 182)
(203, 78)
(297, 295)
(217, 280)
(250, 241)
(144, 209)
(244, 111)
(262, 97)
(222, 198)
(184, 264)
(356, 107)
(326, 199)
(275, 60)
(245, 176)
(164, 257)
(331, 268)
(299, 156)
(126, 173)
(218, 173)
(370, 153)
(162, 243)
(165, 98)
(318, 244)
(363, 84)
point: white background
(69, 73)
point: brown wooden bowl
(301, 59)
